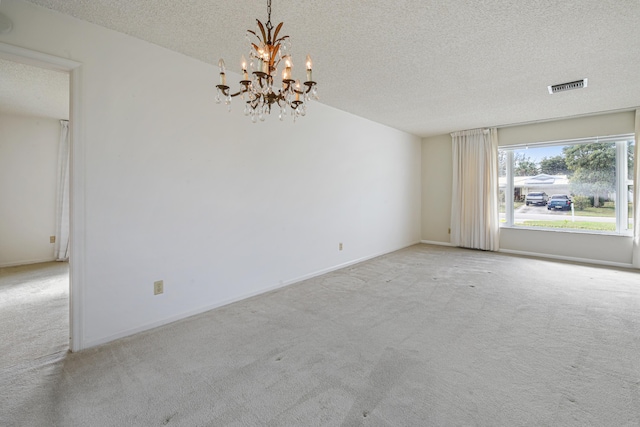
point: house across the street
(550, 184)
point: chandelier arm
(225, 91)
(309, 86)
(260, 77)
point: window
(577, 185)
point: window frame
(623, 181)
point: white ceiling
(424, 66)
(33, 91)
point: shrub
(582, 202)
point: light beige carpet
(423, 336)
(34, 334)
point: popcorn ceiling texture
(33, 91)
(426, 67)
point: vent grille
(562, 87)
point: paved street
(540, 213)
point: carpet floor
(425, 336)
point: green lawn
(578, 225)
(607, 212)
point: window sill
(569, 231)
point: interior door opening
(29, 66)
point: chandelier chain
(269, 25)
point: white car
(539, 198)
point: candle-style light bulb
(259, 66)
(267, 62)
(245, 75)
(297, 90)
(286, 73)
(223, 77)
(309, 66)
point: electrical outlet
(340, 246)
(52, 239)
(158, 287)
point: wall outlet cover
(158, 287)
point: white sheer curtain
(636, 196)
(62, 211)
(474, 204)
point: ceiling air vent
(562, 87)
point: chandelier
(260, 90)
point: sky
(536, 154)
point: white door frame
(76, 180)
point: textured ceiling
(424, 66)
(34, 91)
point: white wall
(28, 177)
(607, 249)
(437, 181)
(177, 189)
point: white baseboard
(549, 256)
(431, 242)
(568, 258)
(27, 262)
(209, 307)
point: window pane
(630, 182)
(566, 187)
(630, 155)
(630, 212)
(502, 180)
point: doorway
(72, 70)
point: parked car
(537, 198)
(559, 202)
